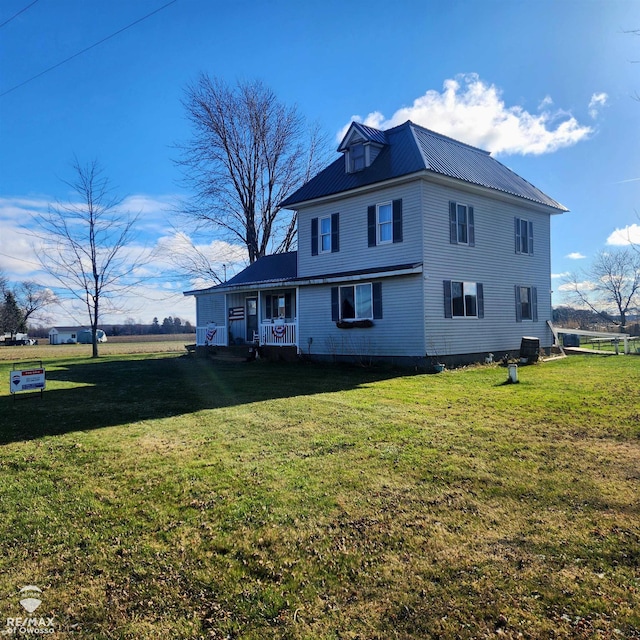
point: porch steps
(234, 353)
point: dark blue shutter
(472, 227)
(371, 225)
(377, 300)
(335, 304)
(314, 236)
(534, 304)
(518, 305)
(447, 299)
(287, 305)
(530, 230)
(397, 220)
(480, 299)
(453, 223)
(335, 232)
(517, 234)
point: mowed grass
(164, 496)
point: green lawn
(163, 496)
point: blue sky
(547, 85)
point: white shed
(64, 335)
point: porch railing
(279, 334)
(212, 336)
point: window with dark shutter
(462, 228)
(523, 230)
(397, 220)
(371, 225)
(335, 304)
(463, 299)
(377, 300)
(335, 232)
(526, 303)
(314, 236)
(447, 299)
(480, 291)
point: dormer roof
(360, 133)
(408, 149)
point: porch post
(259, 312)
(298, 319)
(226, 319)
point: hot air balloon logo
(30, 602)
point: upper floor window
(384, 223)
(526, 303)
(357, 160)
(523, 236)
(325, 234)
(463, 299)
(461, 224)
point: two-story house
(411, 245)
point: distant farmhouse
(411, 246)
(73, 335)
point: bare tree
(247, 153)
(82, 244)
(610, 286)
(33, 298)
(29, 296)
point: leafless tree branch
(83, 244)
(248, 152)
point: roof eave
(434, 176)
(338, 195)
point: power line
(17, 14)
(95, 44)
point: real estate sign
(27, 380)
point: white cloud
(583, 286)
(564, 274)
(625, 236)
(470, 110)
(159, 291)
(576, 255)
(598, 100)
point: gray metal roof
(410, 148)
(275, 268)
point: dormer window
(361, 145)
(357, 157)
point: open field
(163, 496)
(117, 345)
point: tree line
(19, 303)
(168, 326)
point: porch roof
(273, 269)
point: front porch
(271, 333)
(266, 318)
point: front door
(252, 318)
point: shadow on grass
(103, 393)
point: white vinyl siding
(396, 333)
(492, 263)
(210, 308)
(355, 252)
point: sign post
(27, 379)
